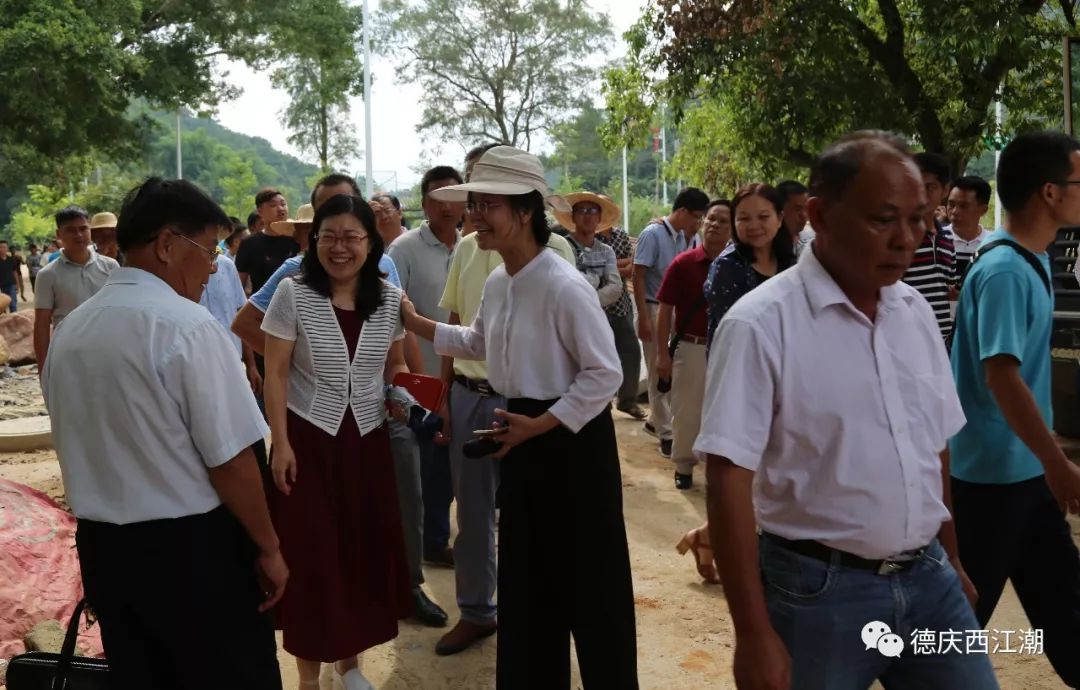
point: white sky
(396, 109)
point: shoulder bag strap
(684, 323)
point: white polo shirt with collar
(145, 393)
(842, 419)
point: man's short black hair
(265, 195)
(934, 164)
(692, 199)
(383, 196)
(477, 151)
(1030, 161)
(252, 219)
(333, 180)
(439, 172)
(2, 241)
(158, 203)
(71, 212)
(974, 183)
(790, 188)
(840, 163)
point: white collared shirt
(841, 419)
(544, 336)
(145, 393)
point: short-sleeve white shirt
(145, 393)
(842, 420)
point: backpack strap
(1022, 251)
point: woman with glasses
(758, 251)
(564, 566)
(333, 336)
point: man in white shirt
(422, 259)
(846, 482)
(153, 420)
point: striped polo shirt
(933, 271)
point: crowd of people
(867, 385)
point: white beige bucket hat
(507, 171)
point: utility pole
(663, 149)
(179, 152)
(625, 194)
(367, 103)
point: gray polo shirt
(62, 285)
(657, 247)
(423, 264)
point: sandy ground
(685, 636)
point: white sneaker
(354, 680)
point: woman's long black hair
(782, 246)
(313, 273)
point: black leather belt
(695, 339)
(814, 549)
(480, 386)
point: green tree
(238, 186)
(927, 69)
(495, 70)
(320, 77)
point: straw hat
(304, 214)
(103, 220)
(504, 170)
(609, 210)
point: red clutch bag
(429, 391)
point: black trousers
(177, 601)
(1017, 533)
(564, 565)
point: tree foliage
(495, 70)
(320, 76)
(783, 78)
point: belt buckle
(483, 389)
(888, 567)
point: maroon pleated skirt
(342, 539)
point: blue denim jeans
(819, 610)
(13, 293)
(438, 494)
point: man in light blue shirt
(657, 246)
(224, 296)
(1010, 479)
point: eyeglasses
(587, 211)
(213, 253)
(329, 240)
(1068, 182)
(481, 207)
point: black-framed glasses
(587, 210)
(1069, 182)
(213, 253)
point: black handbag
(63, 671)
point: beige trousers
(687, 397)
(659, 410)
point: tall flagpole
(625, 194)
(368, 182)
(179, 152)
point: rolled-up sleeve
(600, 373)
(464, 342)
(208, 383)
(740, 390)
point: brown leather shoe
(462, 636)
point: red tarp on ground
(39, 568)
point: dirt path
(684, 629)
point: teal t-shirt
(1004, 309)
